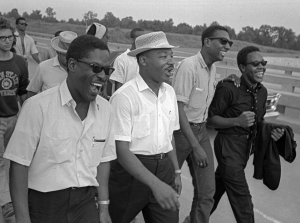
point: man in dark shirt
(235, 113)
(13, 82)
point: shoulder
(226, 87)
(30, 38)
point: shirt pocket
(197, 98)
(141, 126)
(59, 150)
(95, 153)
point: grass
(190, 43)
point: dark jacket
(266, 156)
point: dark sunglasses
(223, 41)
(98, 69)
(256, 63)
(4, 38)
(23, 24)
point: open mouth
(170, 71)
(260, 74)
(96, 87)
(223, 53)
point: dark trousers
(232, 153)
(128, 196)
(203, 179)
(76, 205)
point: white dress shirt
(29, 45)
(48, 74)
(144, 119)
(61, 150)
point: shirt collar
(55, 61)
(142, 85)
(201, 60)
(248, 86)
(65, 95)
(16, 33)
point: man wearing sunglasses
(236, 113)
(63, 142)
(25, 45)
(194, 84)
(13, 83)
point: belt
(196, 124)
(244, 136)
(152, 157)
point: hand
(166, 196)
(277, 133)
(178, 184)
(104, 214)
(200, 157)
(234, 78)
(246, 119)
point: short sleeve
(183, 82)
(222, 100)
(109, 151)
(33, 49)
(25, 138)
(119, 72)
(122, 119)
(36, 82)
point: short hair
(81, 46)
(57, 33)
(134, 30)
(5, 24)
(18, 19)
(210, 31)
(243, 53)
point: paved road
(280, 206)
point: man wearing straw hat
(146, 176)
(52, 72)
(62, 144)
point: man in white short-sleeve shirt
(52, 72)
(61, 137)
(146, 176)
(126, 67)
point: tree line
(266, 35)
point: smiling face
(252, 74)
(158, 65)
(86, 84)
(215, 49)
(6, 44)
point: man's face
(6, 44)
(252, 73)
(159, 65)
(217, 45)
(87, 83)
(22, 25)
(62, 59)
(135, 35)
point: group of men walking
(75, 157)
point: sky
(234, 13)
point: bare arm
(164, 194)
(22, 99)
(173, 157)
(19, 191)
(185, 127)
(103, 194)
(35, 56)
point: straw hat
(150, 41)
(100, 30)
(62, 42)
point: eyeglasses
(98, 69)
(223, 41)
(256, 63)
(4, 38)
(23, 24)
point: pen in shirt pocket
(97, 140)
(198, 89)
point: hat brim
(54, 44)
(135, 52)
